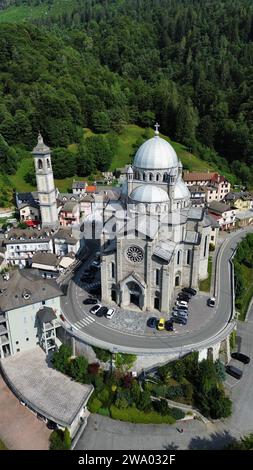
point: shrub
(104, 412)
(211, 247)
(98, 383)
(60, 359)
(124, 361)
(174, 392)
(60, 440)
(133, 415)
(77, 368)
(104, 396)
(93, 368)
(94, 405)
(102, 354)
(176, 413)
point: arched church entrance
(135, 294)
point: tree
(60, 440)
(101, 122)
(124, 362)
(99, 152)
(63, 163)
(8, 157)
(61, 358)
(77, 368)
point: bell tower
(45, 184)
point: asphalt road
(74, 311)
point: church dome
(181, 190)
(155, 154)
(149, 193)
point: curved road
(98, 332)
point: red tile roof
(91, 189)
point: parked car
(189, 290)
(95, 308)
(90, 301)
(237, 373)
(183, 296)
(169, 325)
(241, 357)
(211, 302)
(181, 303)
(95, 291)
(101, 312)
(152, 322)
(161, 324)
(110, 312)
(180, 313)
(42, 418)
(180, 320)
(22, 403)
(182, 307)
(96, 264)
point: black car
(90, 301)
(180, 320)
(189, 290)
(87, 277)
(184, 296)
(102, 312)
(169, 325)
(241, 357)
(152, 322)
(231, 370)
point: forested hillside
(107, 63)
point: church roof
(156, 154)
(149, 194)
(41, 147)
(165, 250)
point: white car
(95, 309)
(211, 302)
(96, 263)
(181, 303)
(110, 312)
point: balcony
(4, 340)
(3, 330)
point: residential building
(22, 297)
(69, 214)
(65, 242)
(21, 244)
(243, 201)
(223, 213)
(216, 186)
(29, 209)
(198, 196)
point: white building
(161, 242)
(45, 184)
(21, 244)
(21, 298)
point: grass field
(206, 283)
(130, 135)
(248, 293)
(22, 13)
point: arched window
(188, 257)
(144, 176)
(113, 270)
(165, 177)
(150, 177)
(178, 257)
(177, 280)
(48, 163)
(40, 164)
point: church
(155, 241)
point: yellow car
(161, 324)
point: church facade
(155, 241)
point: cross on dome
(157, 128)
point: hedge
(133, 415)
(94, 405)
(104, 412)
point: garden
(117, 394)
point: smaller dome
(181, 190)
(149, 193)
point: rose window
(134, 254)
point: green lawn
(206, 283)
(248, 293)
(18, 14)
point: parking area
(135, 322)
(19, 428)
